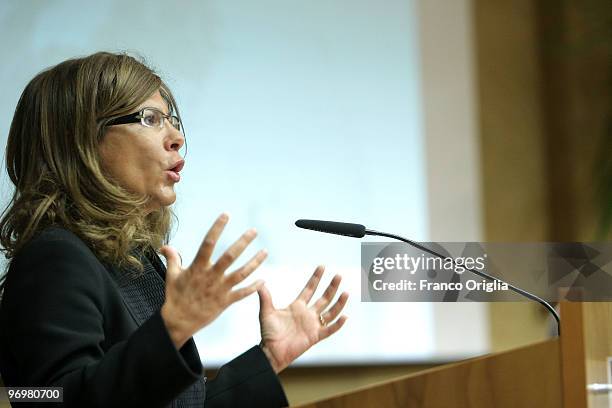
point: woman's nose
(176, 139)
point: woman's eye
(152, 119)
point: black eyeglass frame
(138, 117)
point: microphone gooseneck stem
(474, 271)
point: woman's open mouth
(173, 173)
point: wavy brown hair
(52, 159)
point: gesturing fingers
(311, 285)
(210, 240)
(173, 263)
(233, 252)
(241, 293)
(328, 295)
(334, 311)
(332, 328)
(242, 273)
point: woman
(93, 151)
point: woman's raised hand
(287, 333)
(196, 295)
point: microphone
(332, 227)
(359, 231)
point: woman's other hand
(288, 333)
(196, 295)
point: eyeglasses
(149, 117)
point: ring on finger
(322, 320)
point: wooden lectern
(550, 374)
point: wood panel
(597, 348)
(576, 55)
(525, 377)
(572, 355)
(513, 146)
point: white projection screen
(293, 109)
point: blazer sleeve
(53, 318)
(246, 381)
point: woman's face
(139, 158)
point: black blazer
(70, 321)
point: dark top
(68, 320)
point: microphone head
(333, 227)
